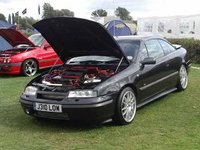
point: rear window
(130, 48)
(37, 39)
(166, 47)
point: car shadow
(69, 124)
(12, 116)
(10, 76)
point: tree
(63, 12)
(99, 13)
(123, 13)
(50, 12)
(2, 17)
(67, 12)
(9, 18)
(26, 22)
(57, 13)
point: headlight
(30, 90)
(82, 93)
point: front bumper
(99, 111)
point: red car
(19, 54)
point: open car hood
(72, 37)
(15, 37)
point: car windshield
(91, 59)
(4, 44)
(37, 39)
(130, 48)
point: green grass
(195, 65)
(171, 123)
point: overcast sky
(83, 8)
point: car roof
(137, 37)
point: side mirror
(148, 61)
(46, 46)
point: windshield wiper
(94, 62)
(112, 61)
(88, 62)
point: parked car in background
(19, 54)
(102, 77)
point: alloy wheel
(30, 67)
(128, 106)
(183, 77)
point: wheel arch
(132, 87)
(185, 61)
(186, 66)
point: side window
(154, 49)
(166, 47)
(144, 53)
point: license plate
(48, 107)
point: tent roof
(117, 28)
(4, 24)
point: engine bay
(76, 76)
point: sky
(83, 8)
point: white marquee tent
(170, 27)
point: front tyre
(183, 78)
(126, 107)
(29, 67)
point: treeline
(49, 11)
(27, 22)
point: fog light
(27, 111)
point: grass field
(171, 123)
(196, 65)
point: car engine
(76, 76)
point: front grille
(51, 96)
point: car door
(173, 63)
(48, 56)
(151, 80)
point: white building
(170, 27)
